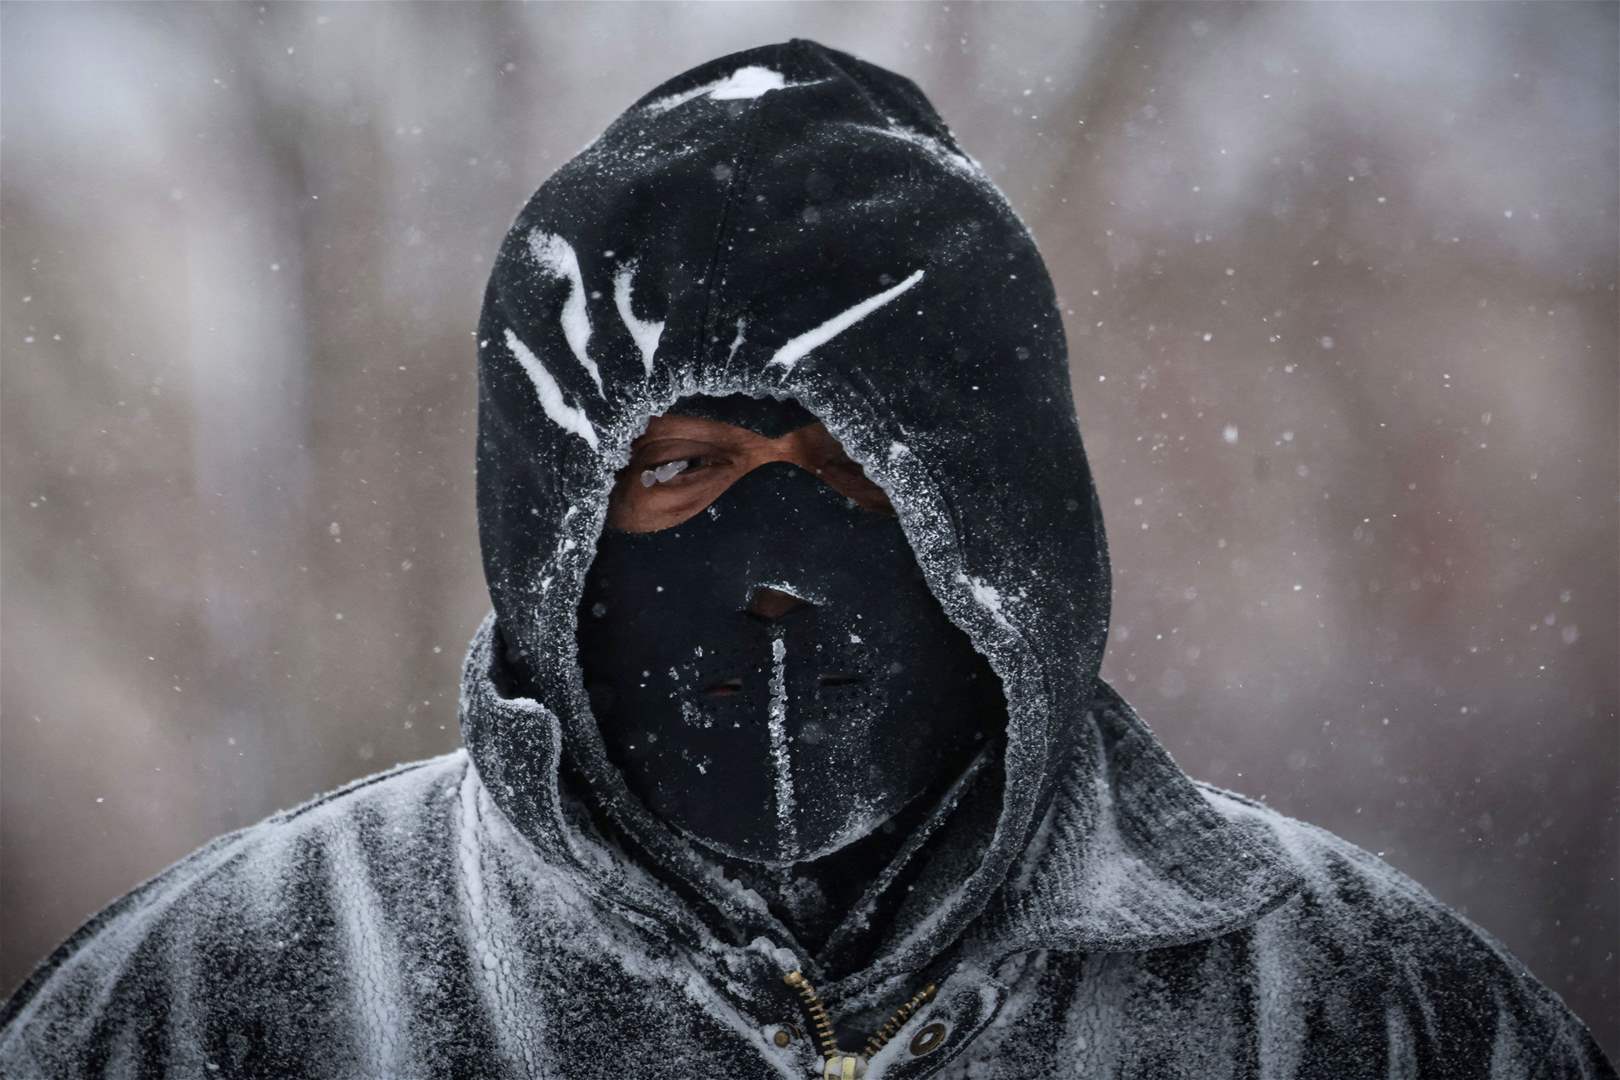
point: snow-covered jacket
(789, 221)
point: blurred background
(1340, 290)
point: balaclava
(780, 733)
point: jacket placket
(927, 1038)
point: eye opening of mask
(685, 460)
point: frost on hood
(644, 332)
(557, 257)
(564, 415)
(746, 82)
(800, 345)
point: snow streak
(779, 744)
(557, 257)
(944, 155)
(373, 961)
(736, 342)
(746, 82)
(644, 332)
(561, 413)
(796, 349)
(986, 596)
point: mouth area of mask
(772, 677)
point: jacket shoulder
(1360, 942)
(250, 918)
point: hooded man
(786, 749)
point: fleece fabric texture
(785, 221)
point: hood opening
(966, 817)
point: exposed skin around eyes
(718, 454)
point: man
(786, 750)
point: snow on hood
(791, 221)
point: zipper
(842, 1064)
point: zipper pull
(841, 1064)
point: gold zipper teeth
(827, 1041)
(895, 1022)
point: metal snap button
(780, 1034)
(927, 1040)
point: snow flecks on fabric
(692, 715)
(868, 819)
(986, 596)
(1112, 870)
(1031, 859)
(783, 959)
(703, 995)
(557, 257)
(736, 342)
(1401, 1054)
(795, 349)
(564, 415)
(644, 332)
(1281, 1027)
(898, 450)
(957, 162)
(1508, 1052)
(1094, 1027)
(374, 960)
(736, 892)
(780, 759)
(488, 926)
(751, 81)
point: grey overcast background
(1339, 282)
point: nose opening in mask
(771, 604)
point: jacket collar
(1130, 854)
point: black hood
(790, 221)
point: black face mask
(778, 739)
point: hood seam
(741, 172)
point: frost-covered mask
(770, 672)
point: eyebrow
(676, 427)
